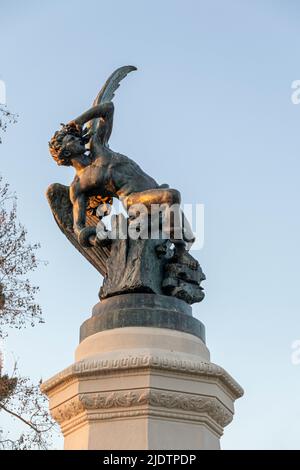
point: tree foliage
(19, 398)
(17, 258)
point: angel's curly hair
(56, 145)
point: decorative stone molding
(186, 402)
(98, 367)
(68, 410)
(200, 418)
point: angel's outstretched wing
(107, 92)
(61, 206)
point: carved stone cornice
(127, 399)
(98, 367)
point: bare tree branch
(6, 118)
(28, 423)
(19, 398)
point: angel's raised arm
(103, 110)
(99, 118)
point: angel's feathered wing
(107, 92)
(61, 206)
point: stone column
(142, 379)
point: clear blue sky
(209, 112)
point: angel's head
(67, 143)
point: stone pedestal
(142, 387)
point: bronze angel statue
(103, 174)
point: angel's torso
(111, 174)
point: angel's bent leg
(168, 202)
(153, 196)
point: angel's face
(73, 146)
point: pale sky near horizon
(209, 111)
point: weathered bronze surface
(158, 311)
(157, 266)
